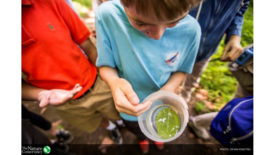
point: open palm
(57, 96)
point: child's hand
(232, 49)
(126, 100)
(53, 131)
(57, 96)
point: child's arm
(175, 81)
(90, 49)
(125, 99)
(30, 92)
(48, 97)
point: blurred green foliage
(59, 127)
(199, 106)
(247, 31)
(86, 3)
(217, 78)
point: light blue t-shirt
(146, 63)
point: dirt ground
(81, 137)
(129, 139)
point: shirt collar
(27, 2)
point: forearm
(108, 74)
(90, 49)
(176, 80)
(30, 92)
(48, 97)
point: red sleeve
(79, 31)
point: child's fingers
(56, 123)
(122, 102)
(76, 89)
(130, 94)
(43, 102)
(143, 107)
(43, 97)
(136, 110)
(179, 90)
(123, 105)
(43, 110)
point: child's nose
(158, 32)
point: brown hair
(161, 9)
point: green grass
(199, 107)
(247, 31)
(217, 78)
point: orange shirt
(51, 58)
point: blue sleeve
(104, 50)
(236, 26)
(188, 62)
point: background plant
(217, 78)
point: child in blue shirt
(144, 46)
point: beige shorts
(87, 112)
(244, 75)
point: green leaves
(247, 31)
(219, 81)
(199, 106)
(86, 3)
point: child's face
(150, 26)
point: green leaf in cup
(167, 123)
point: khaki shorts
(244, 75)
(87, 112)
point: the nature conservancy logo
(46, 149)
(36, 150)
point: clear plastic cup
(166, 119)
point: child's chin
(151, 37)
